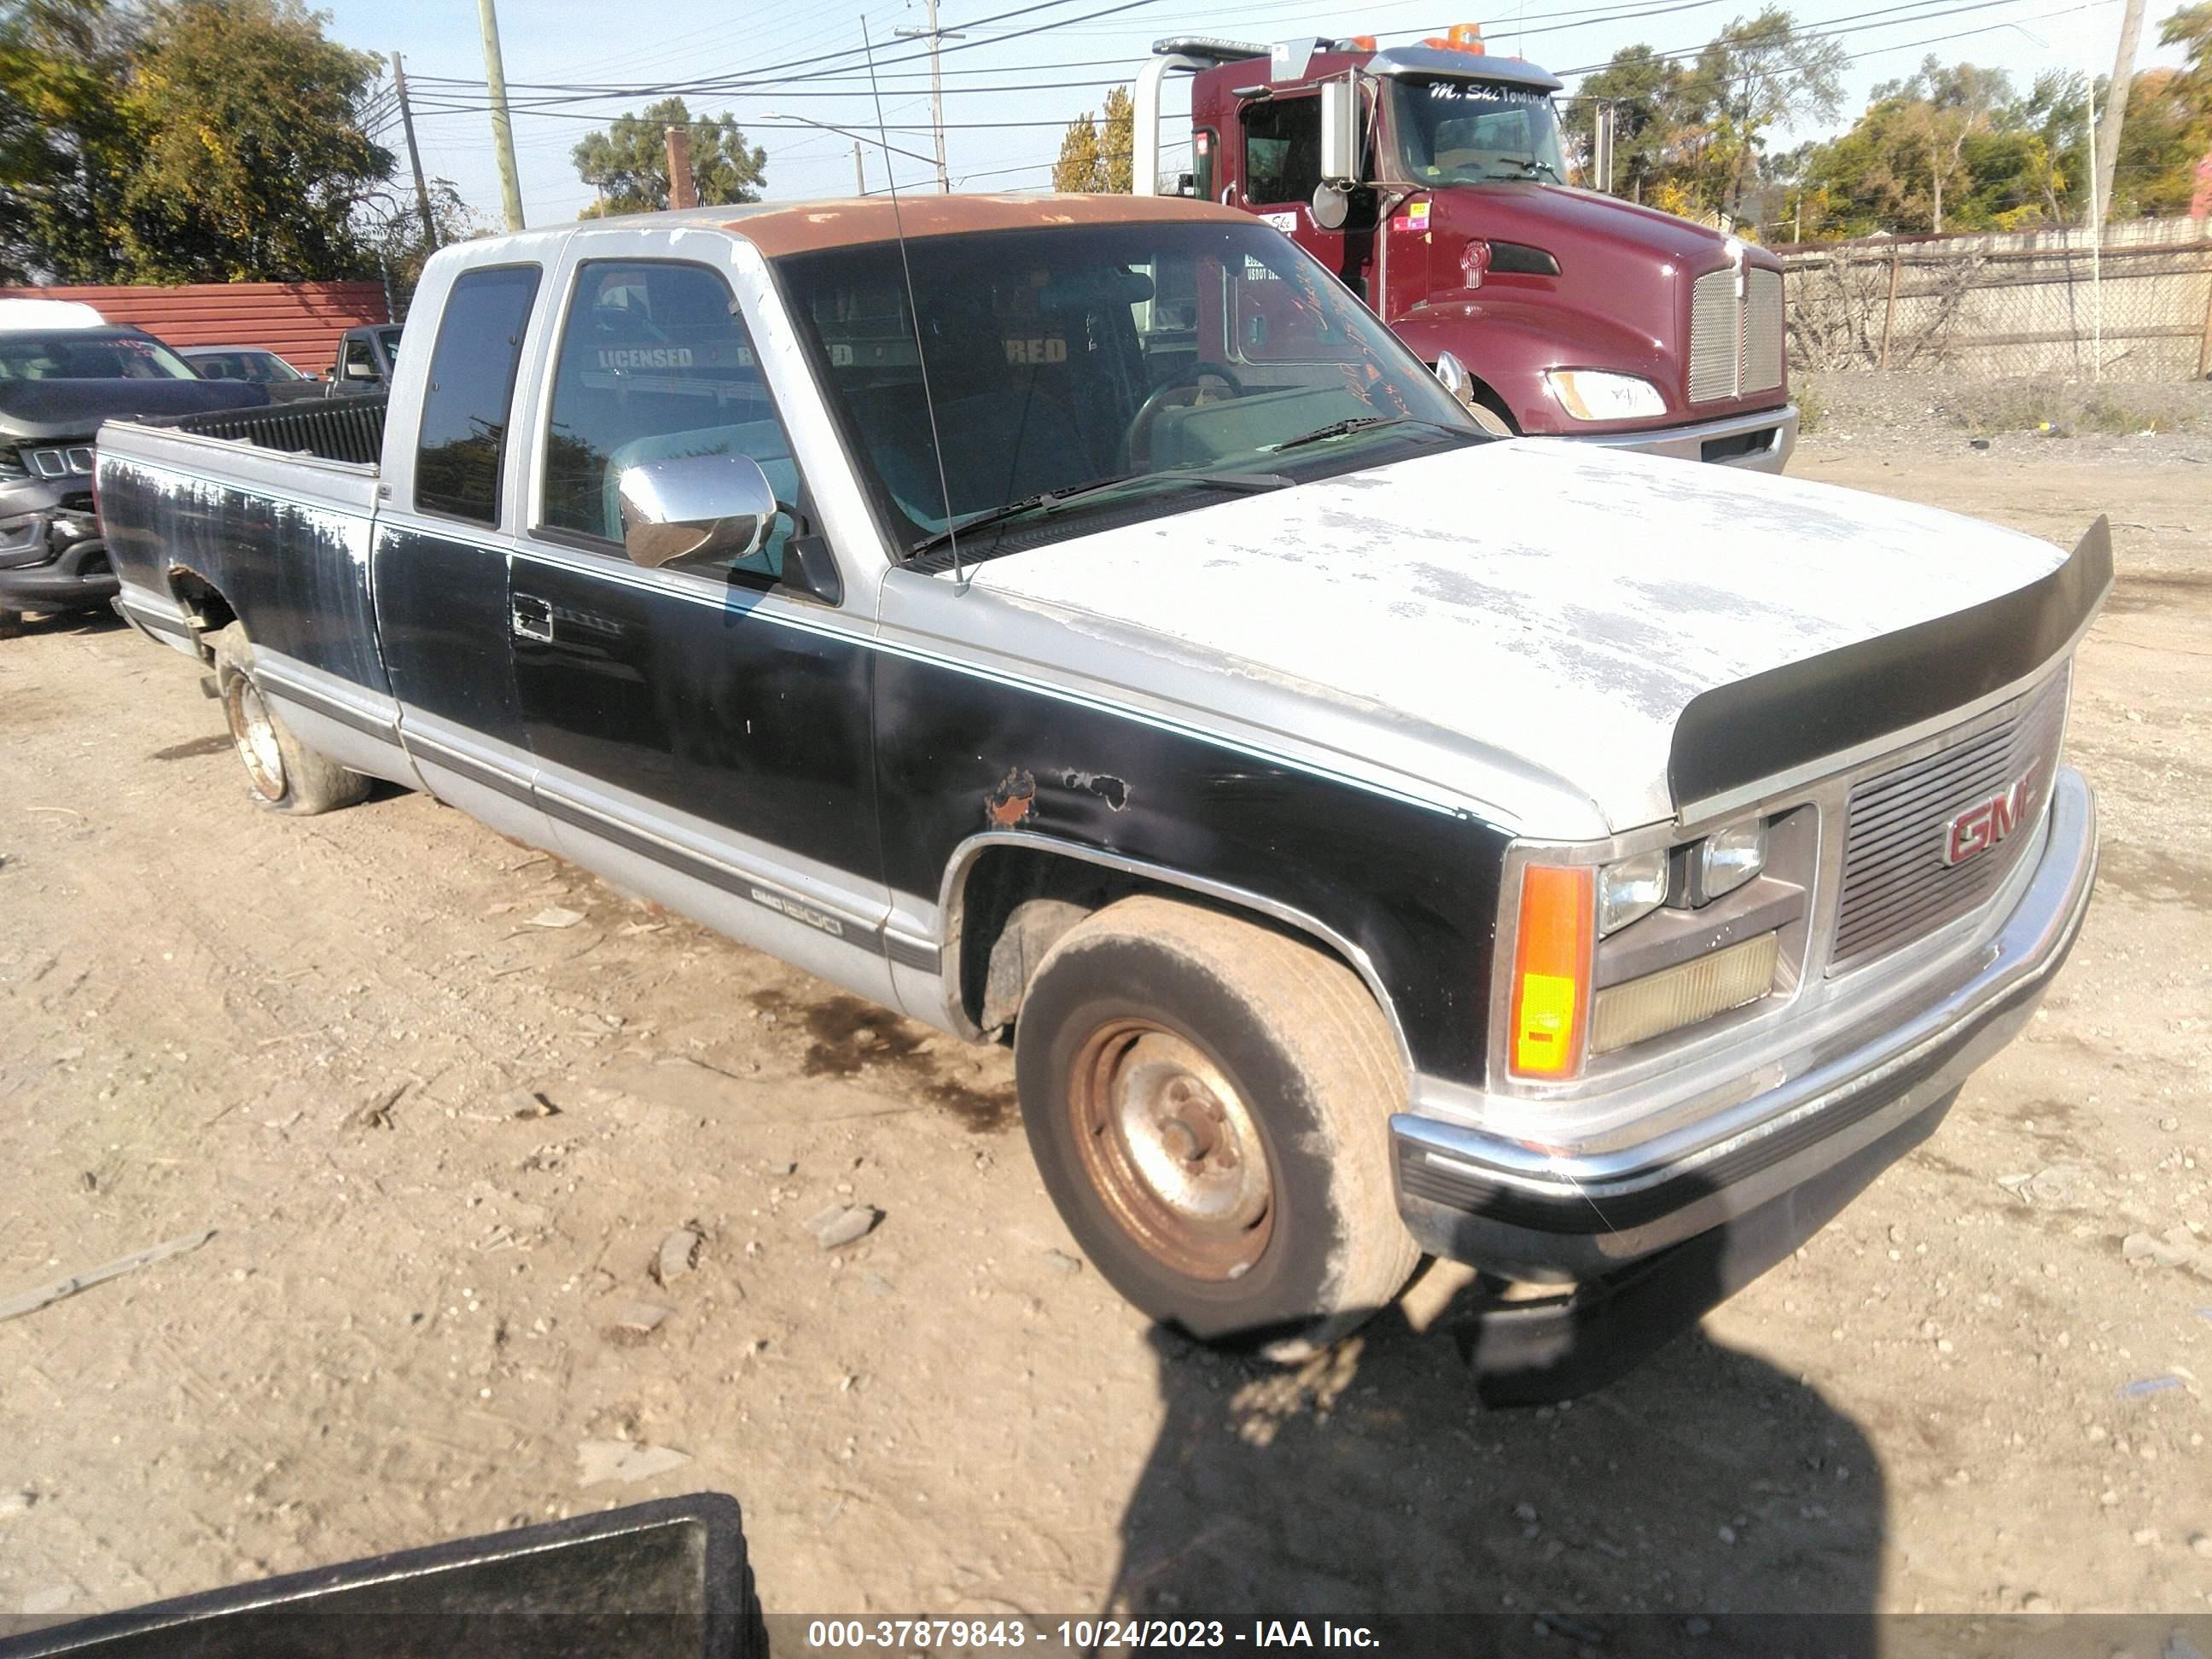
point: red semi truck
(1431, 178)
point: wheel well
(1015, 902)
(204, 603)
(1481, 391)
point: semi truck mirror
(1339, 132)
(691, 507)
(1332, 206)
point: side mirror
(1453, 373)
(1339, 132)
(1332, 206)
(361, 371)
(695, 506)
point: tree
(252, 159)
(390, 224)
(65, 150)
(1652, 106)
(627, 164)
(2169, 122)
(1092, 162)
(1759, 74)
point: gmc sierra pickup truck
(1373, 838)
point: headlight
(1590, 394)
(1632, 888)
(1729, 858)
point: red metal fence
(300, 322)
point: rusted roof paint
(811, 225)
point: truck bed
(274, 507)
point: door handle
(531, 619)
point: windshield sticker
(646, 357)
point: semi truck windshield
(1472, 132)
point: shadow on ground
(1370, 1481)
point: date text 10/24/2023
(1081, 1635)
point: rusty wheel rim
(1170, 1146)
(254, 734)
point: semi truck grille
(1715, 336)
(1736, 342)
(1762, 330)
(1965, 800)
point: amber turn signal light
(1551, 971)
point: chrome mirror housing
(695, 506)
(1453, 373)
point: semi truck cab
(1432, 180)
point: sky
(1012, 84)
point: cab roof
(780, 228)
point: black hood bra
(51, 411)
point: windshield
(258, 366)
(89, 354)
(389, 338)
(1470, 132)
(1145, 354)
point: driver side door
(702, 729)
(1282, 170)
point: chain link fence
(2138, 306)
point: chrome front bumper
(1499, 1204)
(1752, 443)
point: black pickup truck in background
(363, 365)
(56, 387)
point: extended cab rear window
(471, 393)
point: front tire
(283, 774)
(11, 624)
(1207, 1101)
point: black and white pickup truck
(1374, 838)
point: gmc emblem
(1983, 826)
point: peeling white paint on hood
(1553, 602)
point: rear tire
(11, 624)
(1207, 1101)
(283, 772)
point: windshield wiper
(1533, 165)
(1363, 423)
(1250, 483)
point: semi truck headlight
(1590, 394)
(1631, 889)
(1729, 858)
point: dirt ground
(315, 1037)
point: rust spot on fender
(1012, 800)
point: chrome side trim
(484, 776)
(326, 695)
(2032, 940)
(951, 917)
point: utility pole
(683, 189)
(414, 156)
(860, 172)
(935, 35)
(2115, 107)
(502, 128)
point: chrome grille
(1715, 336)
(1896, 886)
(1762, 330)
